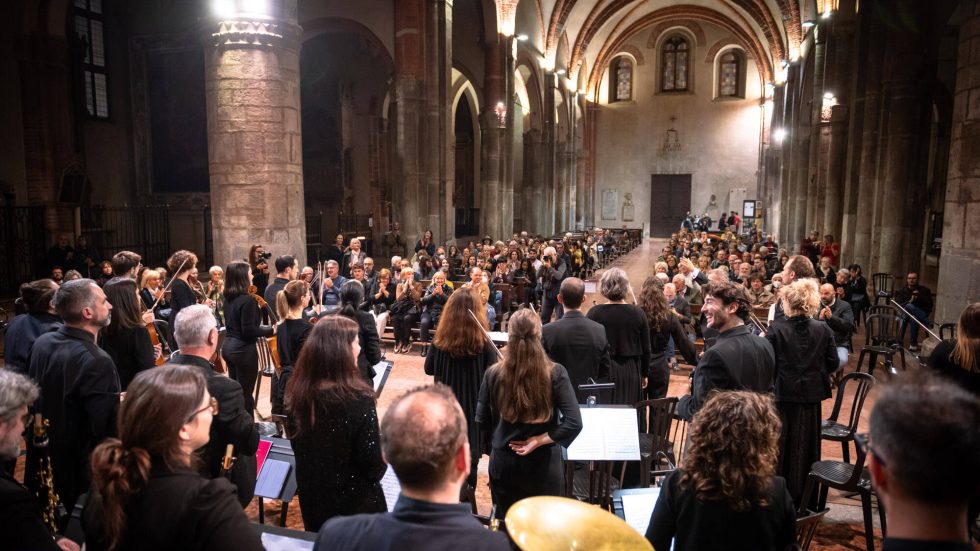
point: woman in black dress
(382, 293)
(180, 265)
(805, 357)
(628, 333)
(520, 401)
(290, 336)
(663, 325)
(147, 493)
(405, 310)
(351, 297)
(426, 244)
(126, 338)
(243, 327)
(959, 360)
(725, 495)
(333, 426)
(459, 358)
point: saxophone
(52, 510)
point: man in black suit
(20, 517)
(575, 341)
(423, 438)
(79, 385)
(738, 360)
(196, 334)
(287, 269)
(553, 271)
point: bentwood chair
(655, 419)
(835, 431)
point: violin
(155, 340)
(267, 345)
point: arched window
(90, 36)
(730, 75)
(675, 59)
(621, 79)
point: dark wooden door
(670, 200)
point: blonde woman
(805, 357)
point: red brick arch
(691, 25)
(718, 46)
(633, 51)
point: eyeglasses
(863, 442)
(212, 405)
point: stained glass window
(90, 37)
(624, 79)
(728, 75)
(675, 59)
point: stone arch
(718, 46)
(633, 52)
(323, 25)
(690, 25)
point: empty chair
(884, 286)
(947, 331)
(832, 429)
(655, 419)
(806, 527)
(883, 334)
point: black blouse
(386, 300)
(130, 350)
(243, 320)
(941, 360)
(627, 331)
(181, 296)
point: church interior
(213, 126)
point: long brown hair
(126, 311)
(733, 447)
(654, 303)
(290, 297)
(158, 403)
(457, 333)
(523, 390)
(965, 353)
(325, 367)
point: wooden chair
(592, 483)
(947, 329)
(806, 527)
(835, 431)
(655, 418)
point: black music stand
(281, 450)
(593, 394)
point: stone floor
(842, 527)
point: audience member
(405, 310)
(837, 314)
(577, 342)
(424, 439)
(552, 272)
(146, 492)
(432, 304)
(757, 294)
(917, 301)
(40, 317)
(857, 290)
(628, 334)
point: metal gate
(23, 252)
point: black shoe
(425, 350)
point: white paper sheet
(607, 434)
(275, 542)
(391, 488)
(637, 508)
(498, 337)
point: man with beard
(738, 360)
(79, 385)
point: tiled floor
(842, 528)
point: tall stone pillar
(437, 194)
(591, 114)
(959, 265)
(408, 117)
(493, 129)
(799, 155)
(816, 177)
(838, 80)
(254, 148)
(550, 181)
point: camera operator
(258, 259)
(554, 269)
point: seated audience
(20, 517)
(146, 491)
(837, 313)
(433, 303)
(333, 426)
(923, 452)
(758, 296)
(424, 438)
(405, 310)
(917, 301)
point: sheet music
(275, 542)
(590, 286)
(607, 434)
(381, 370)
(391, 488)
(637, 508)
(498, 337)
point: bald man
(838, 315)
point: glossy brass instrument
(228, 461)
(547, 523)
(52, 510)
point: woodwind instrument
(485, 334)
(52, 509)
(228, 461)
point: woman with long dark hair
(333, 426)
(126, 338)
(806, 355)
(628, 333)
(663, 325)
(459, 357)
(146, 490)
(243, 328)
(528, 403)
(292, 333)
(426, 244)
(725, 494)
(351, 297)
(960, 359)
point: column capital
(249, 33)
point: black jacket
(805, 357)
(738, 360)
(80, 396)
(272, 291)
(20, 518)
(580, 345)
(433, 303)
(551, 278)
(131, 352)
(370, 344)
(841, 322)
(20, 336)
(233, 425)
(177, 510)
(412, 525)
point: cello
(267, 346)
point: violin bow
(485, 334)
(169, 283)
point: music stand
(382, 369)
(593, 394)
(281, 450)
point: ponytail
(290, 297)
(117, 474)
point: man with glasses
(196, 333)
(917, 301)
(923, 453)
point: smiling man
(738, 360)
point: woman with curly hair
(805, 355)
(664, 324)
(725, 495)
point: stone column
(437, 193)
(959, 266)
(550, 181)
(506, 206)
(493, 127)
(591, 114)
(408, 111)
(254, 149)
(799, 146)
(838, 81)
(815, 177)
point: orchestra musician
(126, 338)
(243, 317)
(182, 295)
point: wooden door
(670, 201)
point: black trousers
(549, 305)
(243, 366)
(402, 324)
(429, 321)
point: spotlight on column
(809, 23)
(560, 72)
(255, 7)
(784, 63)
(778, 135)
(224, 8)
(828, 95)
(521, 37)
(769, 88)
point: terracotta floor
(842, 528)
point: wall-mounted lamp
(778, 135)
(827, 109)
(768, 89)
(809, 23)
(521, 37)
(560, 72)
(235, 8)
(501, 111)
